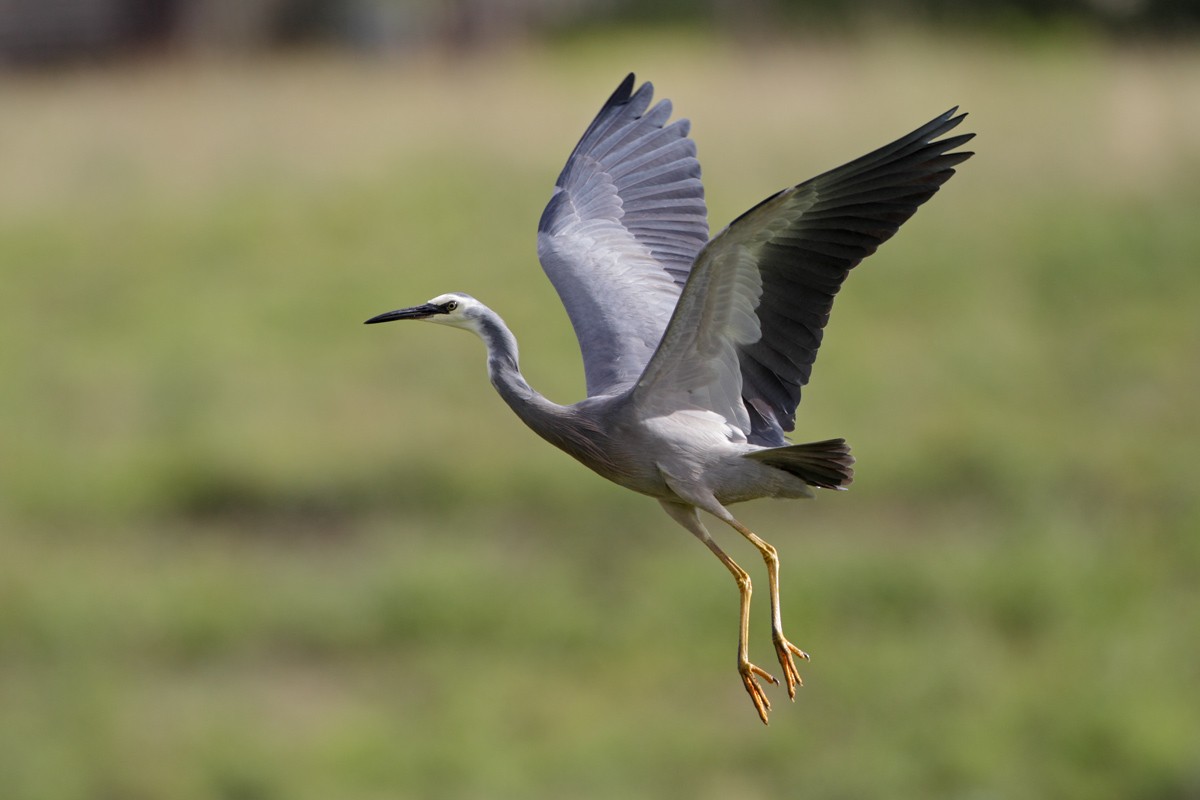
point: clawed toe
(754, 689)
(785, 650)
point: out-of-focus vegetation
(251, 549)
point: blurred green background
(250, 549)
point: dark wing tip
(953, 119)
(622, 93)
(851, 210)
(941, 124)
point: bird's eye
(453, 304)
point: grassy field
(250, 549)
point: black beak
(416, 312)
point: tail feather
(824, 464)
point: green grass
(250, 549)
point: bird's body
(612, 435)
(695, 350)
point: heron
(695, 350)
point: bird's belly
(637, 473)
(691, 455)
(685, 448)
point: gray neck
(534, 410)
(554, 423)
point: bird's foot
(754, 689)
(786, 650)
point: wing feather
(621, 231)
(755, 305)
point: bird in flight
(695, 349)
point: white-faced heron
(695, 350)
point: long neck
(554, 423)
(534, 410)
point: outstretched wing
(748, 325)
(621, 231)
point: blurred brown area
(46, 32)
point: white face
(460, 310)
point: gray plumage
(695, 350)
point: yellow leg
(686, 516)
(747, 670)
(784, 649)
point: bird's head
(454, 309)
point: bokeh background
(250, 549)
